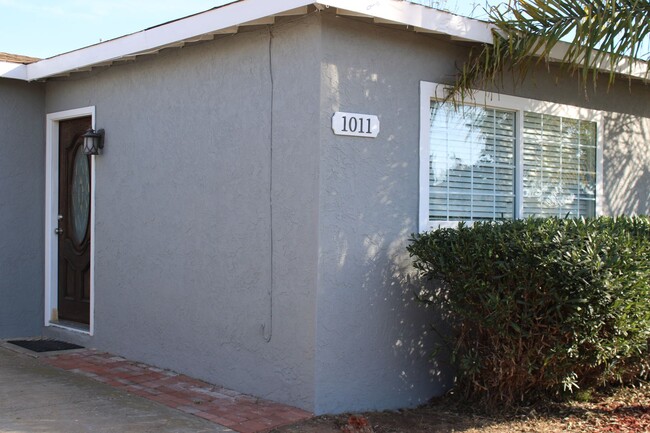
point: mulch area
(623, 410)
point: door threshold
(71, 326)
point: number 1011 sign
(358, 125)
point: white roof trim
(156, 38)
(228, 18)
(247, 12)
(418, 17)
(17, 71)
(632, 68)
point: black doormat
(44, 345)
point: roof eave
(159, 37)
(420, 18)
(16, 71)
(227, 18)
(627, 67)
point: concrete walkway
(38, 398)
(226, 407)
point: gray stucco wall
(227, 217)
(22, 182)
(207, 208)
(372, 341)
(372, 347)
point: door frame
(52, 211)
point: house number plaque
(355, 124)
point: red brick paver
(239, 412)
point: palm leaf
(602, 35)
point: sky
(44, 28)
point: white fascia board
(17, 71)
(418, 16)
(164, 35)
(228, 17)
(428, 20)
(627, 67)
(247, 11)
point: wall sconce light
(93, 141)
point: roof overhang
(230, 18)
(16, 71)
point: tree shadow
(626, 164)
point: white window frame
(434, 91)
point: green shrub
(541, 306)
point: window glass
(80, 195)
(559, 172)
(508, 157)
(471, 163)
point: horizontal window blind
(471, 163)
(559, 172)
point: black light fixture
(93, 141)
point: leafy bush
(541, 306)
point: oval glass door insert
(80, 196)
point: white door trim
(51, 213)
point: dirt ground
(624, 410)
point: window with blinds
(559, 172)
(506, 158)
(471, 163)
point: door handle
(58, 231)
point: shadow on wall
(420, 329)
(626, 164)
(370, 208)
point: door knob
(58, 231)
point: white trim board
(17, 71)
(146, 41)
(248, 12)
(227, 19)
(51, 213)
(432, 91)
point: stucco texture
(22, 182)
(206, 212)
(240, 241)
(374, 345)
(373, 342)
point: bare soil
(622, 410)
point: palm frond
(591, 36)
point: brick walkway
(239, 412)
